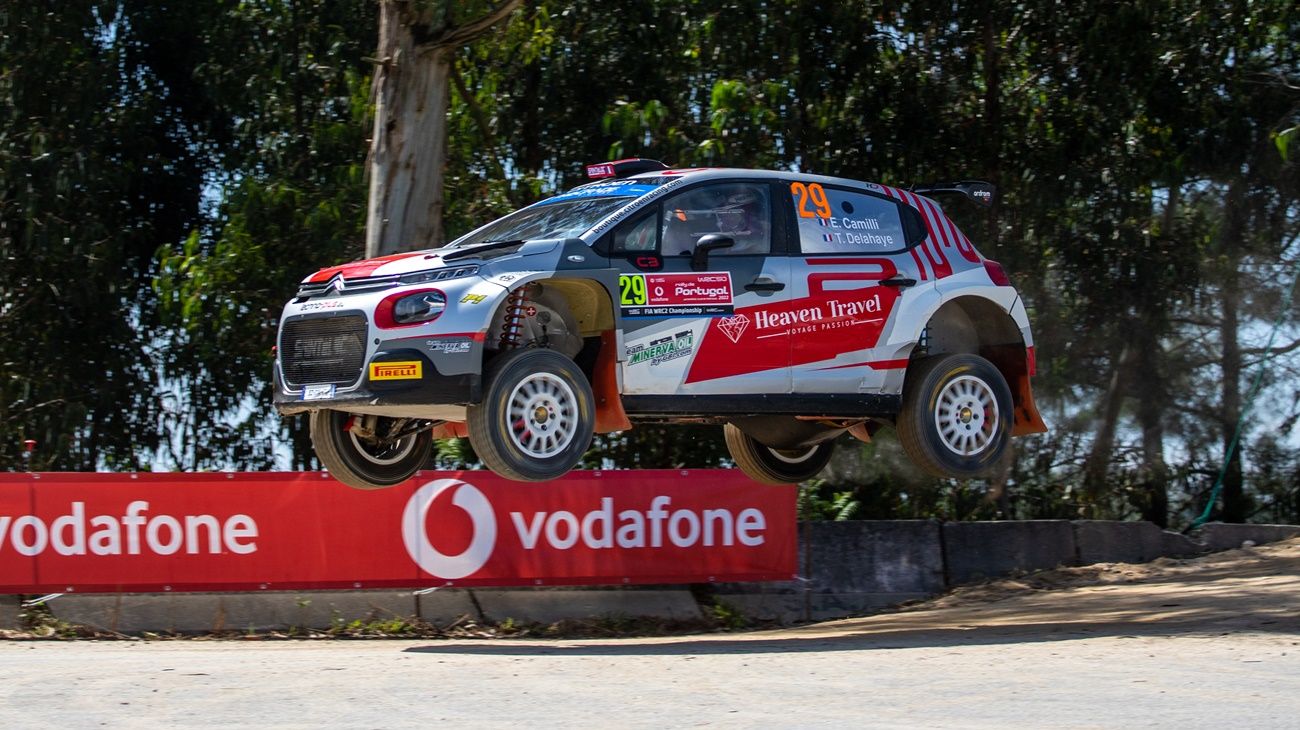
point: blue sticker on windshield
(606, 189)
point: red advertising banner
(63, 533)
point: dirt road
(1212, 642)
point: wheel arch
(979, 326)
(590, 302)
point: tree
(411, 92)
(96, 167)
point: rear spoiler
(977, 191)
(624, 168)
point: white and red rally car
(789, 308)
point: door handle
(764, 285)
(898, 281)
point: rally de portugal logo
(416, 537)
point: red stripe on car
(358, 269)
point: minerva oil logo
(406, 370)
(583, 532)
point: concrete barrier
(548, 605)
(978, 550)
(10, 608)
(846, 568)
(856, 567)
(780, 601)
(1223, 536)
(204, 612)
(1100, 541)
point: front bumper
(397, 388)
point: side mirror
(700, 259)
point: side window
(833, 220)
(741, 211)
(638, 234)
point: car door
(700, 322)
(852, 270)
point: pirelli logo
(407, 370)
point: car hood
(406, 263)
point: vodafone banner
(274, 531)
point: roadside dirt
(1248, 589)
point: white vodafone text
(603, 529)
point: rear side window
(835, 220)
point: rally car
(788, 308)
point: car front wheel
(369, 452)
(776, 466)
(956, 415)
(536, 418)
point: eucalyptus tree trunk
(411, 93)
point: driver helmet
(741, 212)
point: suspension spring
(512, 325)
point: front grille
(323, 350)
(359, 285)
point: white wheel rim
(400, 451)
(966, 415)
(541, 415)
(799, 458)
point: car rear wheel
(776, 466)
(956, 415)
(536, 418)
(369, 452)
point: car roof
(700, 174)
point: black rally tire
(351, 461)
(776, 466)
(536, 418)
(956, 416)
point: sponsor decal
(473, 298)
(450, 347)
(211, 532)
(734, 327)
(404, 370)
(653, 263)
(664, 349)
(832, 314)
(132, 533)
(315, 306)
(415, 534)
(829, 323)
(607, 526)
(675, 295)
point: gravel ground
(1210, 642)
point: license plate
(318, 392)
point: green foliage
(650, 446)
(294, 87)
(168, 173)
(817, 500)
(95, 171)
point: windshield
(567, 215)
(561, 219)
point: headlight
(419, 307)
(410, 308)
